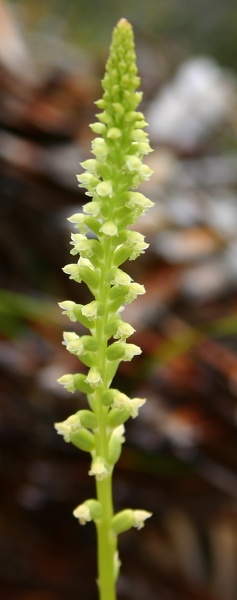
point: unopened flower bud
(104, 188)
(115, 444)
(144, 148)
(98, 128)
(133, 163)
(90, 165)
(118, 107)
(114, 133)
(118, 416)
(109, 228)
(100, 149)
(88, 419)
(104, 117)
(108, 397)
(83, 439)
(123, 521)
(116, 351)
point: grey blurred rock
(198, 99)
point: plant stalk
(107, 542)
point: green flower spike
(104, 242)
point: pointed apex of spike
(123, 23)
(123, 26)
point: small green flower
(100, 148)
(68, 382)
(121, 402)
(81, 245)
(88, 511)
(99, 468)
(82, 513)
(79, 221)
(135, 289)
(73, 343)
(68, 309)
(140, 516)
(94, 377)
(124, 331)
(66, 428)
(90, 310)
(131, 350)
(138, 201)
(73, 271)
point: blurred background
(180, 457)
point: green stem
(107, 542)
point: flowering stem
(107, 542)
(104, 242)
(106, 538)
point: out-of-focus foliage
(197, 25)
